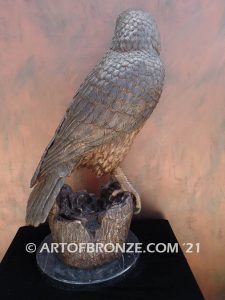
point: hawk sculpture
(107, 112)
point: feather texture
(106, 113)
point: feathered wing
(114, 100)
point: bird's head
(136, 30)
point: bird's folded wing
(102, 111)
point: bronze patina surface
(81, 218)
(106, 113)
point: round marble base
(57, 271)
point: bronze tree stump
(80, 219)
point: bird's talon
(116, 192)
(137, 208)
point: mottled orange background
(177, 162)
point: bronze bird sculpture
(107, 112)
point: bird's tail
(42, 199)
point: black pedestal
(156, 275)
